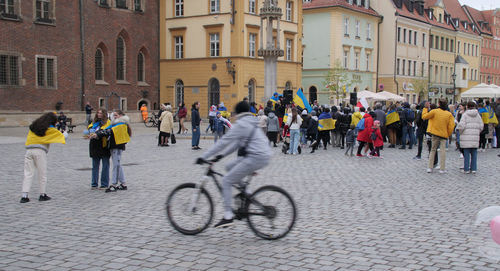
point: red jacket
(379, 142)
(364, 136)
(182, 113)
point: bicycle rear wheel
(149, 122)
(271, 212)
(189, 209)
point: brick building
(101, 51)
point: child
(378, 140)
(219, 123)
(211, 118)
(119, 135)
(350, 137)
(42, 132)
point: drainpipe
(396, 57)
(429, 65)
(378, 52)
(82, 56)
(159, 52)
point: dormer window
(456, 22)
(465, 25)
(430, 14)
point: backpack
(361, 125)
(373, 136)
(411, 115)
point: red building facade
(101, 51)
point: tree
(336, 79)
(421, 86)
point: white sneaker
(429, 170)
(473, 172)
(461, 156)
(442, 171)
(466, 171)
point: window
(409, 36)
(397, 66)
(251, 90)
(251, 44)
(415, 38)
(7, 9)
(46, 72)
(477, 50)
(458, 47)
(447, 45)
(369, 31)
(137, 5)
(451, 46)
(357, 29)
(179, 92)
(346, 59)
(140, 68)
(179, 47)
(423, 40)
(414, 68)
(101, 102)
(214, 6)
(437, 43)
(442, 43)
(403, 70)
(121, 4)
(99, 65)
(368, 62)
(346, 27)
(441, 75)
(356, 61)
(251, 6)
(431, 41)
(288, 49)
(9, 70)
(422, 71)
(404, 35)
(468, 49)
(399, 34)
(289, 10)
(179, 8)
(214, 44)
(409, 67)
(43, 11)
(120, 59)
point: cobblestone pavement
(354, 214)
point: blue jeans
(294, 141)
(404, 135)
(470, 159)
(104, 173)
(413, 139)
(118, 175)
(195, 140)
(303, 133)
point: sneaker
(121, 187)
(429, 170)
(461, 156)
(442, 171)
(473, 172)
(392, 146)
(369, 155)
(44, 197)
(466, 171)
(24, 200)
(417, 158)
(111, 189)
(93, 188)
(224, 223)
(402, 148)
(359, 155)
(103, 188)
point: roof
(460, 59)
(454, 8)
(405, 12)
(314, 4)
(478, 16)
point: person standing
(262, 121)
(119, 134)
(469, 127)
(303, 128)
(364, 136)
(88, 113)
(41, 134)
(195, 126)
(294, 123)
(497, 114)
(220, 124)
(421, 130)
(440, 126)
(99, 151)
(144, 112)
(166, 125)
(181, 114)
(273, 127)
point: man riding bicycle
(253, 153)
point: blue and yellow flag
(492, 116)
(52, 135)
(96, 126)
(484, 115)
(285, 117)
(120, 133)
(301, 100)
(325, 122)
(391, 117)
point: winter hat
(304, 112)
(242, 107)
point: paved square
(353, 214)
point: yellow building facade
(208, 51)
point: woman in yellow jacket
(441, 125)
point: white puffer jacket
(470, 126)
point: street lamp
(454, 77)
(231, 69)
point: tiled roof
(454, 8)
(337, 3)
(478, 16)
(405, 12)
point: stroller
(286, 141)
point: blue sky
(481, 4)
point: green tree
(336, 79)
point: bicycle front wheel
(149, 122)
(271, 212)
(189, 209)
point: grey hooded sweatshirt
(272, 122)
(238, 136)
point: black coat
(195, 118)
(96, 150)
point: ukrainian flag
(52, 135)
(492, 116)
(484, 115)
(391, 117)
(325, 122)
(223, 112)
(120, 133)
(301, 100)
(285, 117)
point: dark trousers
(325, 137)
(362, 144)
(497, 130)
(420, 139)
(273, 137)
(375, 152)
(429, 146)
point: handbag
(172, 138)
(242, 151)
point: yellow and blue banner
(492, 116)
(120, 133)
(484, 115)
(325, 122)
(52, 135)
(301, 100)
(391, 117)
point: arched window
(179, 92)
(213, 92)
(120, 59)
(99, 65)
(141, 68)
(288, 85)
(251, 90)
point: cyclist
(253, 153)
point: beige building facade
(208, 51)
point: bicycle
(152, 121)
(191, 203)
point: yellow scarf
(106, 125)
(52, 135)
